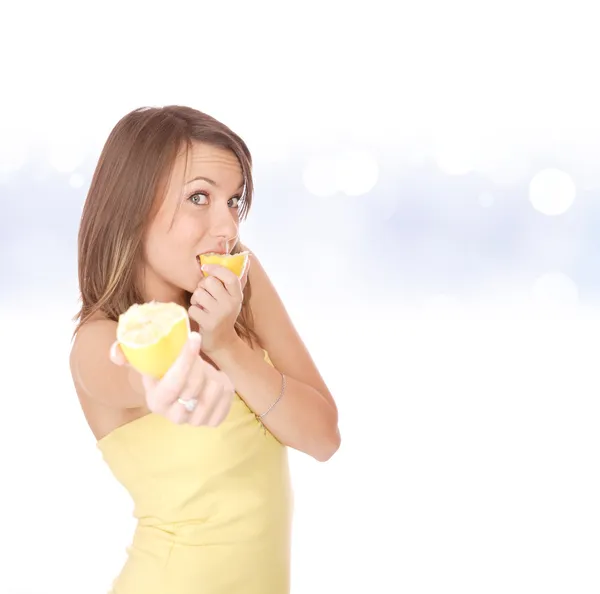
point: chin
(183, 285)
(193, 279)
(189, 287)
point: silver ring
(189, 405)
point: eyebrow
(208, 181)
(199, 177)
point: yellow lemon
(152, 335)
(235, 262)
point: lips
(219, 251)
(216, 250)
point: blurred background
(427, 204)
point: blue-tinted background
(427, 182)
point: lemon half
(152, 335)
(235, 262)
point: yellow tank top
(213, 505)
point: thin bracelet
(261, 417)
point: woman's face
(202, 216)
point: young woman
(206, 466)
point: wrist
(225, 351)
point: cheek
(178, 233)
(187, 232)
(159, 243)
(171, 249)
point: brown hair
(130, 176)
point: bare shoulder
(277, 332)
(109, 395)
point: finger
(199, 388)
(215, 288)
(178, 414)
(168, 389)
(149, 383)
(230, 281)
(202, 298)
(222, 392)
(197, 379)
(211, 412)
(192, 392)
(223, 388)
(200, 316)
(116, 354)
(207, 402)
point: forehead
(217, 164)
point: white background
(441, 161)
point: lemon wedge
(235, 262)
(151, 336)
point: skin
(199, 214)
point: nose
(223, 224)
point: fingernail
(195, 339)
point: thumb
(176, 376)
(116, 354)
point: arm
(109, 381)
(96, 377)
(306, 418)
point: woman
(210, 483)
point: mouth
(220, 251)
(215, 252)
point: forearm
(303, 419)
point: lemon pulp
(235, 262)
(151, 336)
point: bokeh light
(65, 154)
(357, 173)
(352, 172)
(77, 180)
(14, 148)
(555, 290)
(552, 191)
(486, 199)
(410, 182)
(456, 151)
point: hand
(192, 379)
(215, 306)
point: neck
(156, 289)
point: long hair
(128, 183)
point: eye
(199, 198)
(234, 202)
